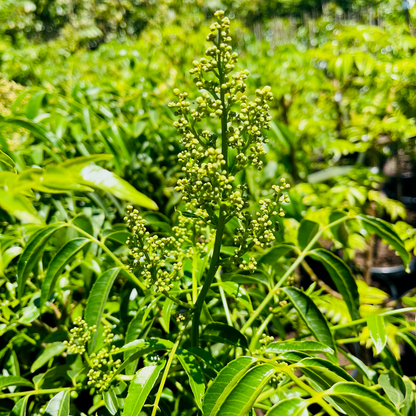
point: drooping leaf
(241, 398)
(97, 300)
(140, 387)
(224, 383)
(57, 265)
(294, 406)
(166, 313)
(360, 366)
(111, 401)
(6, 381)
(49, 352)
(105, 180)
(313, 318)
(226, 334)
(342, 276)
(281, 347)
(306, 232)
(58, 405)
(394, 387)
(194, 372)
(32, 253)
(17, 205)
(377, 332)
(34, 104)
(384, 230)
(362, 400)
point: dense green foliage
(185, 242)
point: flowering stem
(208, 281)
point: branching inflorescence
(212, 159)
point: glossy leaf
(58, 405)
(166, 313)
(20, 408)
(378, 333)
(281, 347)
(306, 232)
(241, 398)
(57, 265)
(312, 317)
(140, 387)
(105, 180)
(32, 253)
(226, 334)
(49, 352)
(394, 387)
(384, 230)
(194, 372)
(294, 406)
(223, 384)
(342, 276)
(206, 357)
(7, 160)
(362, 400)
(97, 300)
(6, 381)
(111, 401)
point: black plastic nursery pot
(394, 279)
(407, 185)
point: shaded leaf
(306, 232)
(226, 334)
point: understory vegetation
(207, 212)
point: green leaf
(97, 300)
(140, 387)
(342, 276)
(32, 253)
(224, 383)
(19, 206)
(360, 366)
(57, 265)
(81, 161)
(33, 106)
(377, 332)
(36, 129)
(394, 387)
(274, 254)
(362, 400)
(307, 231)
(19, 409)
(294, 406)
(7, 160)
(385, 230)
(238, 292)
(166, 312)
(313, 318)
(6, 381)
(322, 374)
(58, 405)
(226, 334)
(111, 401)
(105, 180)
(49, 352)
(194, 372)
(206, 357)
(280, 347)
(241, 398)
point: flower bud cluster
(103, 366)
(158, 259)
(79, 337)
(258, 229)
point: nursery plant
(202, 314)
